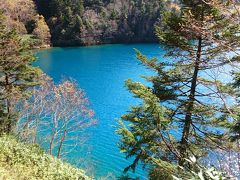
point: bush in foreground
(23, 161)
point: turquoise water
(101, 71)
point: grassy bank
(23, 161)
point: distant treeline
(87, 22)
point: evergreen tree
(235, 110)
(184, 112)
(16, 73)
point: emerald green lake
(101, 71)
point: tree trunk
(51, 143)
(188, 116)
(61, 142)
(7, 123)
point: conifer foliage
(16, 73)
(185, 111)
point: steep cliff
(88, 22)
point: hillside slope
(88, 22)
(22, 16)
(20, 161)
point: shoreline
(92, 45)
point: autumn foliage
(54, 115)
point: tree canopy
(186, 110)
(16, 73)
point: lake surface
(101, 71)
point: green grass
(19, 161)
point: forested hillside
(22, 16)
(84, 22)
(87, 22)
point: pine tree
(16, 73)
(235, 110)
(184, 111)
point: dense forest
(187, 116)
(23, 17)
(85, 22)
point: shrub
(25, 161)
